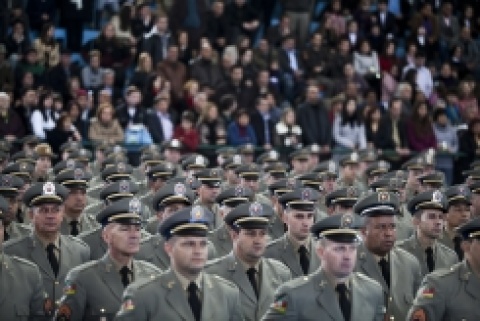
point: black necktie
(385, 268)
(304, 260)
(194, 300)
(430, 260)
(74, 228)
(343, 300)
(6, 236)
(251, 273)
(125, 273)
(457, 241)
(52, 258)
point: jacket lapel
(367, 264)
(472, 281)
(210, 298)
(5, 277)
(39, 257)
(64, 228)
(327, 297)
(224, 238)
(110, 277)
(160, 251)
(289, 256)
(177, 297)
(239, 277)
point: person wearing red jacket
(186, 132)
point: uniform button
(57, 283)
(390, 299)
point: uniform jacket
(94, 289)
(86, 223)
(272, 274)
(313, 298)
(163, 298)
(282, 250)
(221, 240)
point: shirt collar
(119, 266)
(185, 282)
(45, 243)
(296, 245)
(248, 266)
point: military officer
(256, 277)
(192, 163)
(342, 200)
(250, 177)
(268, 157)
(431, 181)
(111, 193)
(168, 200)
(299, 160)
(349, 172)
(210, 180)
(74, 220)
(248, 153)
(428, 220)
(334, 291)
(172, 151)
(458, 213)
(295, 248)
(22, 296)
(185, 291)
(55, 254)
(452, 294)
(9, 188)
(229, 166)
(94, 289)
(228, 199)
(328, 175)
(475, 208)
(395, 269)
(274, 172)
(375, 170)
(414, 168)
(43, 162)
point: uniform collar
(296, 245)
(45, 243)
(185, 282)
(247, 266)
(119, 266)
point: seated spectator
(7, 80)
(43, 117)
(122, 22)
(11, 125)
(372, 122)
(92, 74)
(186, 132)
(447, 141)
(48, 49)
(388, 56)
(334, 22)
(143, 72)
(366, 64)
(211, 127)
(17, 42)
(420, 130)
(205, 70)
(288, 134)
(348, 127)
(114, 51)
(174, 71)
(30, 64)
(63, 132)
(105, 127)
(466, 97)
(156, 84)
(243, 19)
(389, 84)
(217, 29)
(161, 121)
(262, 123)
(131, 112)
(240, 132)
(156, 42)
(74, 111)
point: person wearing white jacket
(44, 117)
(348, 127)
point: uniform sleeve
(282, 308)
(429, 304)
(74, 300)
(133, 306)
(236, 310)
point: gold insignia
(383, 197)
(197, 214)
(346, 221)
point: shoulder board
(445, 272)
(23, 261)
(407, 254)
(363, 277)
(13, 242)
(88, 233)
(85, 266)
(76, 240)
(276, 264)
(221, 280)
(148, 266)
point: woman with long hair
(372, 122)
(420, 132)
(211, 126)
(143, 72)
(44, 117)
(122, 22)
(48, 49)
(288, 134)
(348, 127)
(63, 132)
(105, 127)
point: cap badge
(121, 167)
(273, 154)
(48, 188)
(70, 164)
(175, 143)
(315, 148)
(134, 206)
(354, 157)
(239, 191)
(78, 174)
(346, 221)
(306, 194)
(352, 192)
(23, 166)
(237, 159)
(332, 167)
(179, 189)
(383, 197)
(437, 197)
(199, 160)
(255, 209)
(124, 187)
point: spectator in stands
(391, 133)
(211, 127)
(367, 65)
(189, 16)
(29, 64)
(217, 30)
(92, 74)
(243, 18)
(353, 35)
(7, 79)
(143, 72)
(174, 71)
(312, 116)
(63, 132)
(240, 132)
(277, 33)
(316, 57)
(423, 78)
(59, 75)
(186, 132)
(447, 77)
(466, 97)
(48, 49)
(372, 123)
(17, 42)
(469, 19)
(43, 118)
(185, 51)
(238, 87)
(28, 100)
(123, 21)
(74, 110)
(41, 12)
(264, 54)
(109, 84)
(114, 52)
(11, 125)
(348, 127)
(87, 110)
(386, 20)
(427, 37)
(291, 66)
(449, 29)
(447, 141)
(420, 129)
(131, 112)
(161, 121)
(263, 124)
(156, 42)
(105, 127)
(334, 22)
(288, 134)
(206, 71)
(388, 57)
(299, 12)
(469, 144)
(74, 15)
(389, 84)
(156, 85)
(470, 50)
(145, 21)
